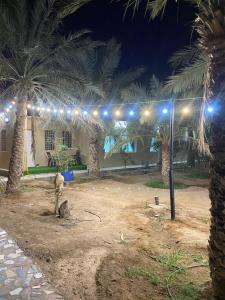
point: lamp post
(171, 174)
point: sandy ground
(114, 227)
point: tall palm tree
(210, 27)
(189, 74)
(36, 62)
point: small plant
(146, 274)
(146, 205)
(172, 261)
(63, 157)
(188, 291)
(161, 218)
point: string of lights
(114, 110)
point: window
(67, 138)
(153, 145)
(109, 143)
(49, 140)
(3, 140)
(129, 147)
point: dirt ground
(117, 243)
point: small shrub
(188, 291)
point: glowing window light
(76, 112)
(210, 109)
(95, 113)
(105, 113)
(7, 109)
(146, 113)
(118, 113)
(13, 102)
(28, 106)
(186, 110)
(48, 109)
(165, 111)
(69, 112)
(33, 107)
(85, 112)
(43, 108)
(10, 106)
(55, 110)
(131, 113)
(38, 108)
(6, 119)
(61, 111)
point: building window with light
(109, 143)
(67, 139)
(153, 145)
(3, 140)
(49, 140)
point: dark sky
(144, 43)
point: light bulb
(186, 110)
(95, 113)
(146, 113)
(117, 113)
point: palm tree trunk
(165, 163)
(93, 165)
(215, 88)
(17, 154)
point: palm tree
(189, 74)
(210, 27)
(36, 62)
(102, 68)
(154, 90)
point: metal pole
(171, 175)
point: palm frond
(189, 77)
(185, 56)
(67, 7)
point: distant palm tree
(102, 67)
(36, 62)
(154, 91)
(209, 23)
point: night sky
(144, 43)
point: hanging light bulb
(165, 111)
(105, 113)
(185, 110)
(28, 106)
(146, 113)
(13, 102)
(48, 109)
(85, 113)
(10, 106)
(76, 112)
(55, 110)
(61, 111)
(95, 113)
(38, 108)
(117, 113)
(68, 111)
(210, 109)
